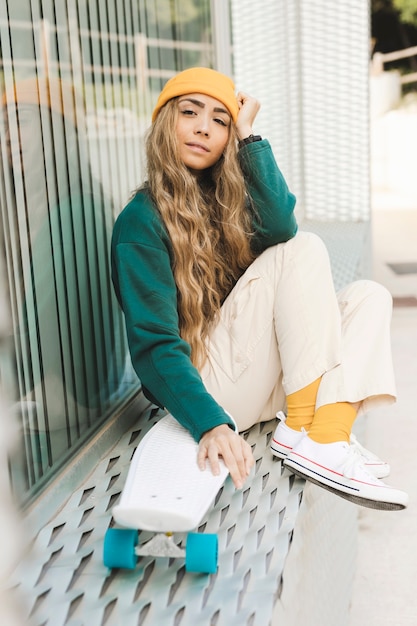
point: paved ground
(384, 590)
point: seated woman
(231, 312)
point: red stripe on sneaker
(282, 444)
(337, 473)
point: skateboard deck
(165, 491)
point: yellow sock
(333, 422)
(301, 406)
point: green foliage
(407, 10)
(168, 12)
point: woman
(230, 312)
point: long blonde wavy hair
(208, 223)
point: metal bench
(63, 579)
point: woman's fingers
(235, 452)
(248, 110)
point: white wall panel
(307, 61)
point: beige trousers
(283, 326)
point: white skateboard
(165, 492)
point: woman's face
(202, 130)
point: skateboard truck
(121, 550)
(161, 544)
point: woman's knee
(309, 241)
(379, 293)
(366, 290)
(308, 254)
(310, 251)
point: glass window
(78, 81)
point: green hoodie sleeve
(145, 287)
(273, 202)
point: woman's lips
(199, 147)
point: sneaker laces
(367, 454)
(354, 462)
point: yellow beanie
(200, 80)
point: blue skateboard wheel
(119, 548)
(201, 553)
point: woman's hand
(248, 110)
(224, 442)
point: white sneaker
(374, 465)
(338, 468)
(285, 439)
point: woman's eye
(187, 112)
(220, 121)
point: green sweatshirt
(141, 258)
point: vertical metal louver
(307, 61)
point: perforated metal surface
(66, 582)
(349, 247)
